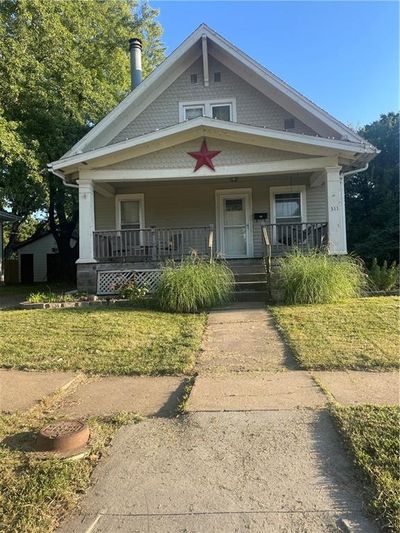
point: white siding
(39, 249)
(252, 106)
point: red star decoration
(204, 157)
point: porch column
(86, 221)
(336, 211)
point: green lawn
(372, 435)
(105, 341)
(37, 494)
(356, 334)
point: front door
(235, 224)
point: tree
(63, 66)
(372, 197)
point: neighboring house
(4, 217)
(210, 152)
(39, 260)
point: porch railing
(152, 244)
(304, 236)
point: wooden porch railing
(267, 249)
(305, 236)
(152, 244)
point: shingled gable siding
(186, 204)
(252, 107)
(231, 154)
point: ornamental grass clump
(194, 285)
(317, 278)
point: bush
(194, 285)
(129, 290)
(383, 278)
(314, 277)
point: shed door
(26, 268)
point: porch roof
(349, 154)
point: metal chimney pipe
(135, 51)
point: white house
(210, 152)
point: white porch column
(336, 211)
(86, 221)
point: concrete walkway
(256, 452)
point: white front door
(234, 223)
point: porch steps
(250, 280)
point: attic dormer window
(193, 78)
(289, 124)
(217, 77)
(216, 109)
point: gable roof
(175, 64)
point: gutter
(62, 176)
(350, 172)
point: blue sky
(342, 55)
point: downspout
(62, 176)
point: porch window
(130, 211)
(288, 208)
(130, 214)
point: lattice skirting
(107, 280)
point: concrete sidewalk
(257, 471)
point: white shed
(39, 260)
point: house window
(219, 110)
(130, 211)
(288, 207)
(217, 77)
(191, 112)
(193, 78)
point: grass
(37, 494)
(372, 435)
(314, 277)
(105, 341)
(194, 285)
(359, 333)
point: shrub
(129, 290)
(383, 278)
(193, 285)
(314, 277)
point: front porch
(155, 245)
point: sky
(344, 56)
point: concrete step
(251, 296)
(251, 286)
(250, 276)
